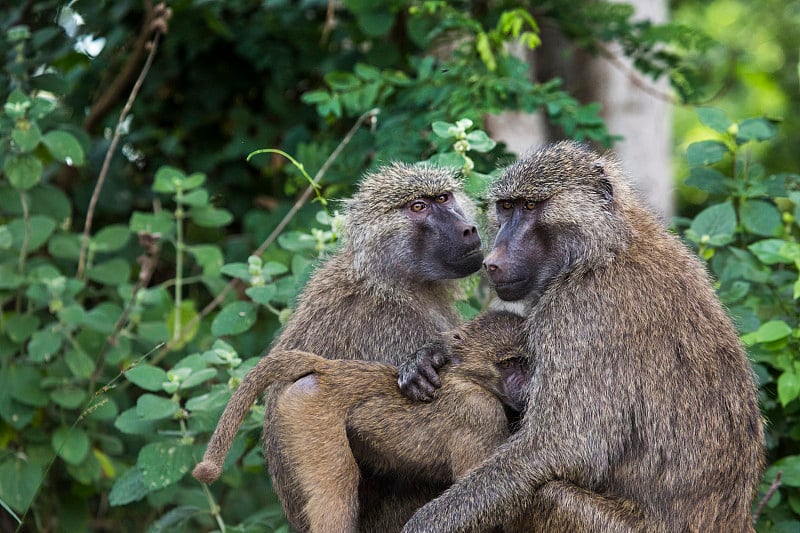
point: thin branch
(110, 152)
(369, 116)
(633, 76)
(772, 488)
(148, 262)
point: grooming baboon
(383, 294)
(642, 404)
(336, 399)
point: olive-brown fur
(378, 298)
(641, 394)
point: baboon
(409, 234)
(337, 400)
(642, 403)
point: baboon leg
(328, 477)
(567, 507)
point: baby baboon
(338, 399)
(641, 395)
(383, 294)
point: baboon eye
(417, 206)
(442, 198)
(505, 204)
(504, 364)
(529, 205)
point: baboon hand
(418, 375)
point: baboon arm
(499, 489)
(484, 498)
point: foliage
(752, 70)
(118, 351)
(749, 237)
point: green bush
(749, 236)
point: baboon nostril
(470, 231)
(490, 267)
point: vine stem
(87, 228)
(213, 304)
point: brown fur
(333, 401)
(642, 401)
(375, 299)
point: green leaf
(198, 377)
(127, 488)
(192, 181)
(79, 363)
(714, 118)
(152, 407)
(272, 269)
(479, 141)
(64, 147)
(342, 81)
(40, 229)
(262, 294)
(761, 218)
(788, 387)
(17, 104)
(112, 272)
(790, 468)
(709, 180)
(315, 97)
(209, 257)
(23, 171)
(188, 313)
(24, 384)
(9, 279)
(111, 238)
(167, 179)
(131, 423)
(768, 332)
(296, 241)
(65, 246)
(164, 463)
(69, 397)
(714, 225)
(212, 402)
(147, 377)
(775, 251)
(20, 327)
(443, 129)
(6, 238)
(210, 217)
(27, 138)
(195, 198)
(71, 444)
(367, 72)
(705, 153)
(236, 270)
(43, 344)
(376, 22)
(19, 481)
(755, 129)
(233, 319)
(158, 223)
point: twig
(634, 78)
(213, 304)
(772, 488)
(147, 261)
(157, 26)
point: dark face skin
(445, 244)
(526, 257)
(516, 376)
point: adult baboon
(339, 399)
(641, 396)
(387, 290)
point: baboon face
(526, 257)
(446, 245)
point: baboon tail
(279, 365)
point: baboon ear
(606, 190)
(599, 169)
